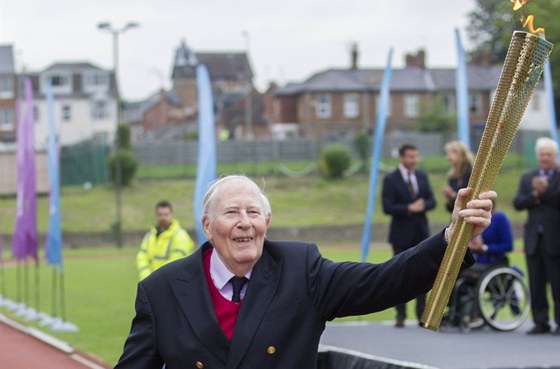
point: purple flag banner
(25, 234)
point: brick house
(237, 103)
(343, 101)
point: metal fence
(87, 162)
(429, 144)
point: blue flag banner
(382, 111)
(206, 165)
(53, 245)
(550, 100)
(462, 93)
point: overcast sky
(288, 40)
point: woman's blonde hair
(464, 162)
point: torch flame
(518, 4)
(526, 21)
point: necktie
(237, 283)
(410, 185)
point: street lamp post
(115, 32)
(249, 135)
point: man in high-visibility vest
(164, 243)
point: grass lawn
(307, 201)
(101, 286)
(101, 283)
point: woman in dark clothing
(461, 160)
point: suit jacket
(543, 212)
(406, 227)
(292, 292)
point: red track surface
(21, 350)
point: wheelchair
(497, 297)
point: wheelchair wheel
(503, 299)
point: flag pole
(376, 153)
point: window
(58, 80)
(351, 106)
(411, 105)
(389, 107)
(6, 119)
(323, 106)
(97, 79)
(6, 87)
(99, 110)
(66, 113)
(475, 103)
(449, 103)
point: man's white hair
(546, 143)
(210, 195)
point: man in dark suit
(539, 193)
(243, 302)
(407, 196)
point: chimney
(354, 56)
(416, 61)
(482, 58)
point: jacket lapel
(261, 289)
(191, 291)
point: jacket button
(271, 350)
(199, 364)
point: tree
(123, 136)
(362, 145)
(435, 118)
(123, 157)
(492, 23)
(490, 27)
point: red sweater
(226, 310)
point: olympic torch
(523, 66)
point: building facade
(344, 101)
(85, 103)
(8, 95)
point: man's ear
(206, 227)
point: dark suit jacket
(406, 228)
(544, 211)
(292, 292)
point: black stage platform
(415, 347)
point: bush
(362, 145)
(123, 136)
(334, 161)
(128, 166)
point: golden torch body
(523, 66)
